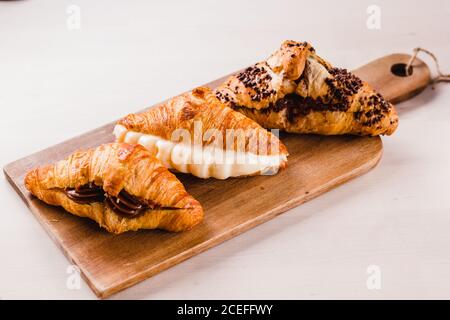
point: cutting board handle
(387, 76)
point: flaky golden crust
(297, 91)
(201, 106)
(118, 167)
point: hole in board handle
(399, 69)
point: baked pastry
(195, 133)
(120, 186)
(297, 91)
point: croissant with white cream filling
(195, 133)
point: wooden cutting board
(110, 263)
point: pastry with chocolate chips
(295, 90)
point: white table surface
(56, 83)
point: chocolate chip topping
(343, 83)
(224, 97)
(379, 108)
(298, 44)
(255, 78)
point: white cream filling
(276, 79)
(279, 82)
(316, 74)
(203, 162)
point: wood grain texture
(110, 263)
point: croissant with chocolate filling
(120, 186)
(297, 91)
(195, 133)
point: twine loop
(441, 77)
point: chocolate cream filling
(296, 106)
(124, 204)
